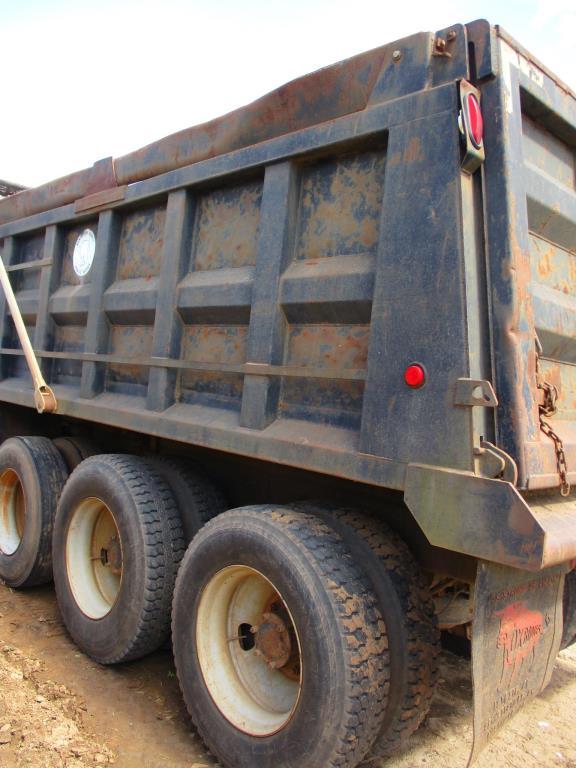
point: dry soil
(58, 709)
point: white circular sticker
(84, 253)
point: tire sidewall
(101, 638)
(569, 611)
(317, 711)
(17, 567)
(191, 491)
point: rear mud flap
(516, 636)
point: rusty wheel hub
(94, 562)
(273, 641)
(249, 650)
(111, 556)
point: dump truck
(296, 390)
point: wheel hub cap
(273, 641)
(111, 556)
(249, 650)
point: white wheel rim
(256, 697)
(12, 512)
(94, 558)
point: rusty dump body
(260, 284)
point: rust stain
(340, 205)
(213, 344)
(545, 264)
(328, 346)
(227, 227)
(413, 152)
(141, 242)
(132, 341)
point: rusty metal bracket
(442, 45)
(472, 392)
(44, 398)
(509, 470)
(489, 519)
(101, 199)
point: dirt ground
(60, 710)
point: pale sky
(86, 80)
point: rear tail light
(415, 376)
(475, 121)
(471, 124)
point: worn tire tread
(160, 523)
(52, 474)
(421, 633)
(205, 497)
(363, 632)
(569, 610)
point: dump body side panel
(267, 300)
(531, 228)
(232, 303)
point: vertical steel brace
(44, 398)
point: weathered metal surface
(217, 344)
(550, 182)
(100, 200)
(516, 635)
(140, 243)
(59, 192)
(325, 346)
(227, 227)
(489, 519)
(475, 392)
(367, 124)
(263, 287)
(531, 241)
(545, 151)
(340, 206)
(133, 342)
(68, 339)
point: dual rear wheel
(120, 533)
(280, 646)
(302, 636)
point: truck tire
(569, 632)
(32, 475)
(117, 546)
(280, 649)
(198, 499)
(74, 450)
(408, 611)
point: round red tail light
(415, 376)
(475, 120)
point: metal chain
(547, 409)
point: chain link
(547, 409)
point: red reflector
(475, 120)
(414, 376)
